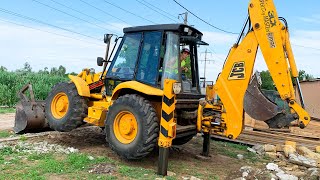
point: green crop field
(12, 82)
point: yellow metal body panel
(167, 122)
(97, 112)
(231, 90)
(273, 38)
(137, 86)
(82, 85)
(267, 28)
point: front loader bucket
(29, 113)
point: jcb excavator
(141, 102)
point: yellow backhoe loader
(144, 100)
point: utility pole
(205, 66)
(185, 19)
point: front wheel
(132, 127)
(65, 108)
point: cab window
(149, 60)
(124, 62)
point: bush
(12, 82)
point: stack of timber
(257, 132)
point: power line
(128, 11)
(306, 47)
(155, 9)
(83, 13)
(204, 20)
(41, 22)
(104, 12)
(56, 9)
(159, 8)
(57, 34)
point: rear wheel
(132, 127)
(65, 108)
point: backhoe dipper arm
(272, 36)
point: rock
(247, 169)
(190, 178)
(245, 174)
(313, 172)
(318, 149)
(308, 153)
(291, 143)
(259, 149)
(163, 178)
(288, 149)
(251, 150)
(90, 158)
(301, 160)
(72, 150)
(240, 156)
(269, 148)
(295, 167)
(279, 148)
(272, 176)
(169, 173)
(280, 155)
(297, 173)
(282, 163)
(272, 167)
(284, 176)
(272, 155)
(240, 178)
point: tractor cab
(151, 54)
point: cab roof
(161, 27)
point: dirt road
(6, 121)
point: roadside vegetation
(4, 110)
(42, 82)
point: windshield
(170, 61)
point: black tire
(77, 108)
(147, 122)
(182, 140)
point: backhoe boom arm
(272, 36)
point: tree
(267, 82)
(304, 76)
(26, 68)
(2, 68)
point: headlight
(176, 87)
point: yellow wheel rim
(59, 105)
(125, 127)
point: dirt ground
(92, 140)
(6, 121)
(183, 160)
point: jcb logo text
(237, 71)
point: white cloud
(19, 45)
(217, 38)
(312, 19)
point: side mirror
(100, 61)
(107, 38)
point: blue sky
(20, 44)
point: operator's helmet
(186, 50)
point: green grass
(7, 110)
(233, 149)
(4, 134)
